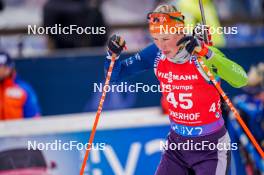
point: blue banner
(129, 151)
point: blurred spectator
(74, 12)
(17, 98)
(251, 108)
(1, 5)
(251, 104)
(263, 11)
(192, 15)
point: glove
(199, 32)
(116, 45)
(195, 46)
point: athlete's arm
(216, 61)
(137, 63)
(226, 69)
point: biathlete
(194, 103)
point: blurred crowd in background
(128, 19)
(125, 17)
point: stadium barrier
(127, 142)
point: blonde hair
(166, 8)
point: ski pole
(99, 110)
(203, 20)
(231, 106)
(223, 94)
(247, 144)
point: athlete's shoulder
(150, 51)
(149, 54)
(151, 48)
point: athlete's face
(167, 43)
